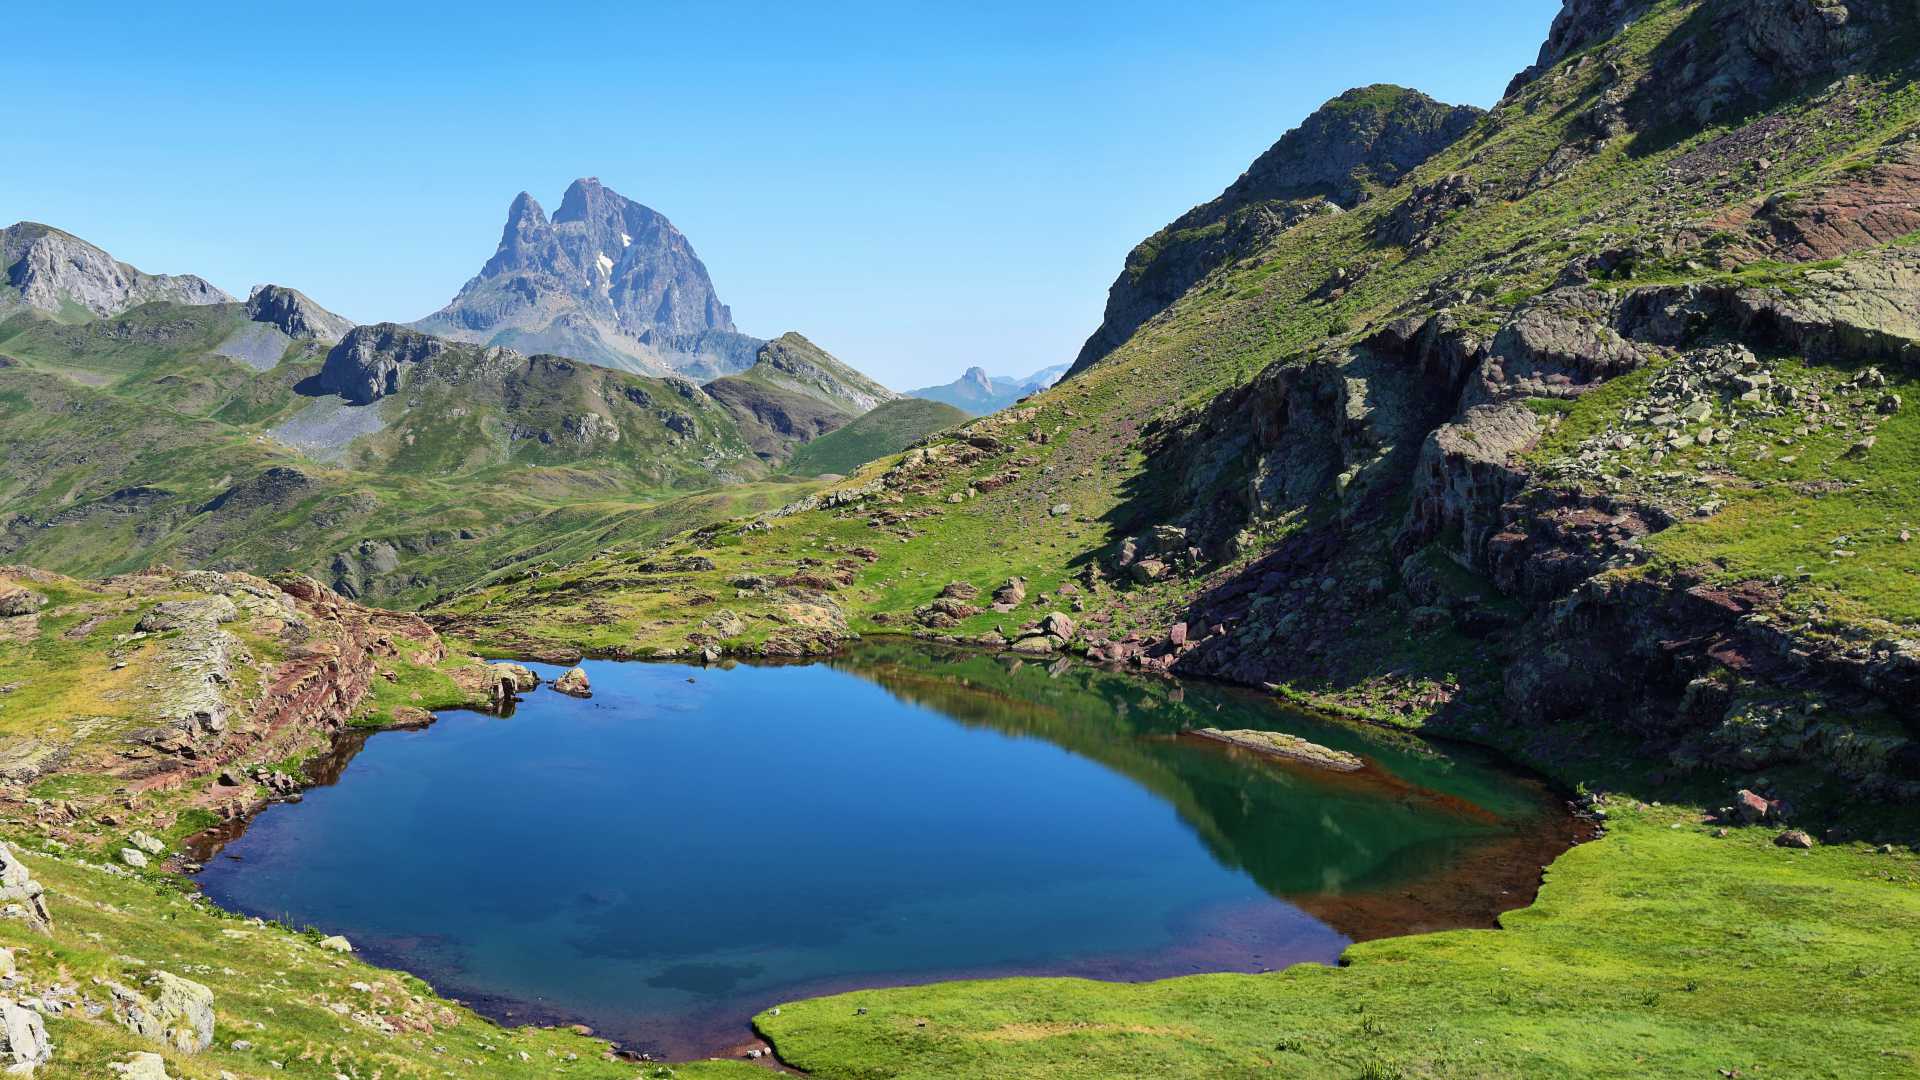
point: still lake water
(692, 845)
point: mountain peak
(606, 280)
(1363, 140)
(295, 313)
(55, 271)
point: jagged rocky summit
(605, 280)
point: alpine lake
(692, 845)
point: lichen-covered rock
(521, 676)
(177, 614)
(179, 1013)
(21, 897)
(143, 1065)
(15, 601)
(25, 1046)
(573, 682)
(336, 943)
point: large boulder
(179, 1014)
(21, 897)
(23, 1039)
(15, 601)
(143, 1065)
(372, 361)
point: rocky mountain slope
(795, 391)
(978, 393)
(607, 280)
(64, 276)
(1356, 144)
(1587, 433)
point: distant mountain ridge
(56, 272)
(978, 393)
(605, 280)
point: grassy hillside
(134, 439)
(889, 429)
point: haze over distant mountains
(978, 393)
(605, 280)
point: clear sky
(918, 187)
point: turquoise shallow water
(692, 845)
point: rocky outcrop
(573, 682)
(1363, 140)
(1580, 25)
(17, 601)
(24, 1045)
(179, 1012)
(372, 361)
(55, 272)
(21, 897)
(295, 314)
(607, 281)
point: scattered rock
(1749, 807)
(960, 590)
(179, 1014)
(1010, 595)
(141, 1066)
(133, 858)
(336, 943)
(19, 602)
(573, 682)
(26, 1046)
(22, 897)
(1058, 625)
(149, 844)
(1793, 838)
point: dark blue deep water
(692, 845)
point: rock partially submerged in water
(573, 681)
(1291, 747)
(522, 676)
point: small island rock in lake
(573, 681)
(1291, 747)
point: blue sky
(918, 187)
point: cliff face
(295, 314)
(607, 280)
(1359, 142)
(58, 273)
